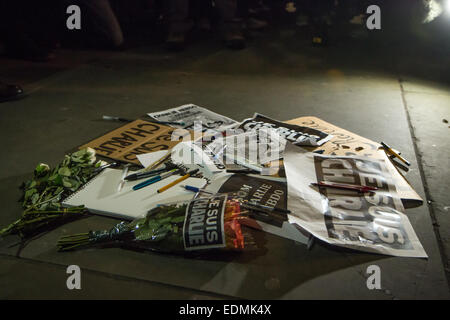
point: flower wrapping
(206, 223)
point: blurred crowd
(33, 30)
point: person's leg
(178, 13)
(231, 24)
(104, 22)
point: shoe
(9, 92)
(176, 41)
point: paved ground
(382, 90)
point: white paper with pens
(100, 195)
(187, 155)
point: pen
(145, 174)
(195, 189)
(154, 179)
(108, 165)
(124, 174)
(170, 185)
(358, 188)
(246, 170)
(391, 151)
(111, 118)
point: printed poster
(372, 222)
(269, 192)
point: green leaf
(34, 198)
(29, 193)
(64, 171)
(66, 182)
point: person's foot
(9, 92)
(176, 41)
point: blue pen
(154, 179)
(195, 189)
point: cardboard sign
(346, 143)
(132, 139)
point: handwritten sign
(132, 139)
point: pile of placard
(194, 180)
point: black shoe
(9, 92)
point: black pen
(141, 175)
(112, 118)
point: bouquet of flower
(203, 223)
(42, 195)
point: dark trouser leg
(178, 13)
(231, 25)
(228, 13)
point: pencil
(170, 185)
(390, 150)
(157, 163)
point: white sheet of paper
(147, 159)
(100, 195)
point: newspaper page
(189, 113)
(264, 191)
(372, 222)
(298, 135)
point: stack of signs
(373, 222)
(190, 115)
